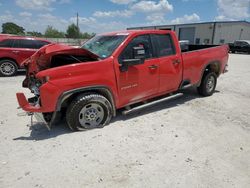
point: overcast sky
(108, 15)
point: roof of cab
(248, 41)
(9, 36)
(130, 32)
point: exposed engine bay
(66, 59)
(48, 57)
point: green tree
(87, 35)
(72, 31)
(12, 28)
(34, 33)
(51, 32)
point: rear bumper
(26, 106)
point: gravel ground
(189, 142)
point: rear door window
(238, 43)
(25, 43)
(163, 45)
(7, 43)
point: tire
(8, 68)
(88, 111)
(208, 84)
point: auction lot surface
(189, 142)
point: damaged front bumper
(26, 106)
(32, 109)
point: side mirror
(139, 56)
(139, 52)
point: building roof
(171, 25)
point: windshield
(104, 46)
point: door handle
(153, 66)
(176, 61)
(15, 52)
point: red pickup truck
(14, 50)
(121, 70)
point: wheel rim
(7, 68)
(91, 115)
(210, 84)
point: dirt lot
(189, 142)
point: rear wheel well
(213, 67)
(101, 91)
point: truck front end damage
(42, 104)
(38, 68)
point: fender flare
(217, 62)
(103, 90)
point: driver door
(138, 81)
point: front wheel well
(66, 99)
(8, 58)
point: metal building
(208, 32)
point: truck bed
(197, 56)
(193, 47)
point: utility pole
(241, 31)
(77, 24)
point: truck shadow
(40, 132)
(189, 94)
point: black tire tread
(84, 98)
(202, 88)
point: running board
(126, 112)
(186, 86)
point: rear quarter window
(40, 44)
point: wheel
(208, 84)
(88, 111)
(8, 68)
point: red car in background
(14, 50)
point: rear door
(170, 62)
(24, 48)
(139, 81)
